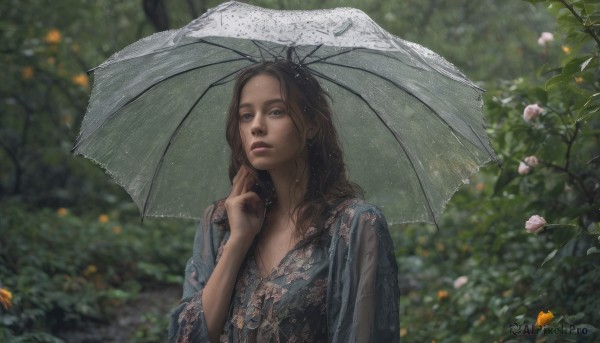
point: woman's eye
(245, 116)
(276, 112)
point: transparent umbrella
(410, 123)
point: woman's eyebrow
(266, 104)
(274, 101)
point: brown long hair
(307, 104)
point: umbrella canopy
(410, 123)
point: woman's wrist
(239, 244)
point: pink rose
(531, 112)
(524, 168)
(527, 164)
(534, 224)
(545, 37)
(460, 281)
(531, 161)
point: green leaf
(593, 250)
(586, 62)
(541, 94)
(575, 317)
(550, 256)
(573, 66)
(556, 80)
(503, 180)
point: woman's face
(270, 139)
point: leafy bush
(482, 276)
(64, 269)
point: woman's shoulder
(355, 219)
(352, 212)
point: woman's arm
(209, 283)
(216, 296)
(187, 320)
(245, 213)
(363, 296)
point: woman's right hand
(245, 209)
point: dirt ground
(154, 303)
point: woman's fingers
(238, 181)
(248, 182)
(252, 203)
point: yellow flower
(103, 218)
(579, 79)
(117, 230)
(53, 37)
(480, 186)
(27, 73)
(544, 318)
(442, 294)
(566, 49)
(61, 212)
(90, 270)
(5, 298)
(81, 80)
(403, 332)
(439, 246)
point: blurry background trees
(73, 251)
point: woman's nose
(258, 125)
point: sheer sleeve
(363, 291)
(187, 320)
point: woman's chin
(260, 166)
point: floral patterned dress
(339, 284)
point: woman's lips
(260, 146)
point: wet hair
(307, 104)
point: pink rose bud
(532, 111)
(531, 161)
(527, 164)
(524, 169)
(545, 38)
(460, 281)
(534, 224)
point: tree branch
(586, 29)
(16, 189)
(157, 14)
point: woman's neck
(290, 186)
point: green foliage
(65, 269)
(513, 275)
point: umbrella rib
(174, 136)
(261, 47)
(415, 96)
(230, 49)
(201, 41)
(311, 53)
(442, 72)
(334, 55)
(485, 146)
(396, 136)
(110, 116)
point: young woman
(292, 254)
